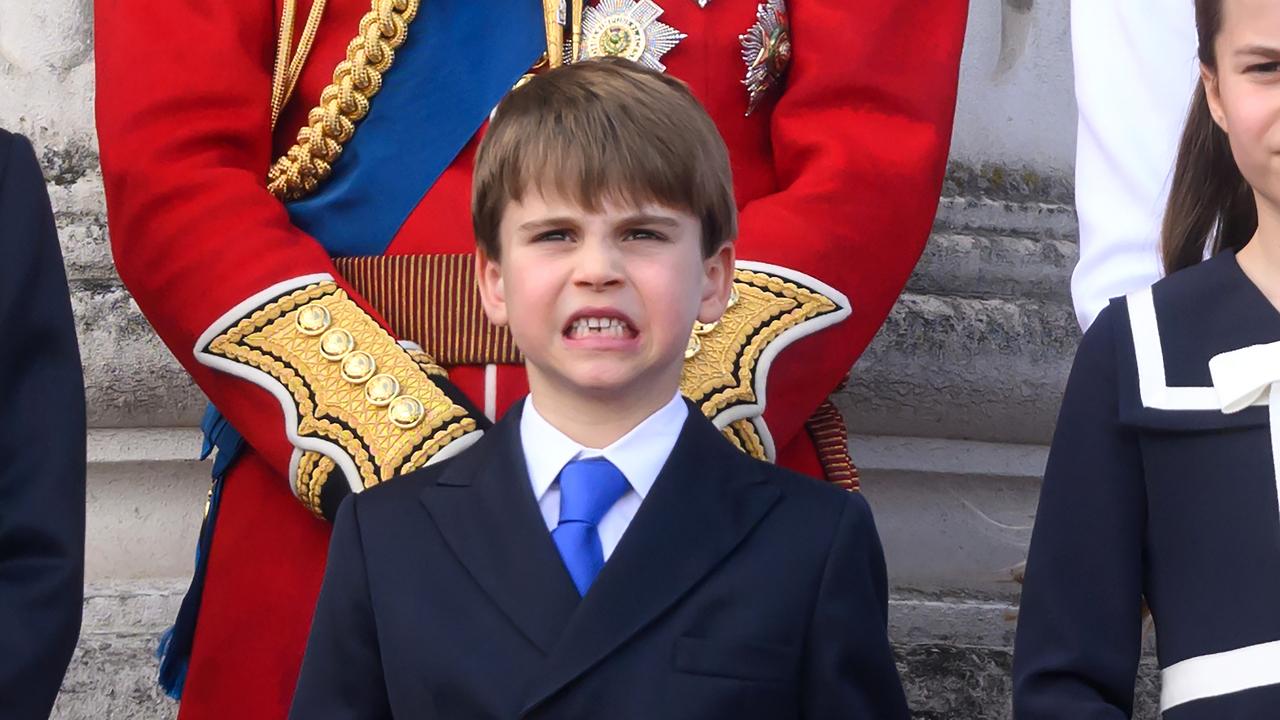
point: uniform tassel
(174, 647)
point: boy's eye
(645, 235)
(552, 236)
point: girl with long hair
(1162, 483)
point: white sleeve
(1135, 72)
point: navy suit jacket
(42, 446)
(740, 590)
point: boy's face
(602, 303)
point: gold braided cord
(288, 66)
(345, 101)
(278, 79)
(575, 36)
(313, 471)
(742, 433)
(554, 32)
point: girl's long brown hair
(1209, 200)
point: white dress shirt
(640, 455)
(1135, 72)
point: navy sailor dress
(1161, 485)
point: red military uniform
(837, 170)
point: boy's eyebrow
(649, 219)
(1263, 50)
(547, 223)
(637, 219)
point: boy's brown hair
(606, 129)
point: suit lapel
(705, 501)
(484, 507)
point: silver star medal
(766, 51)
(629, 29)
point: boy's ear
(492, 295)
(717, 283)
(1213, 93)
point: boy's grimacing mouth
(599, 322)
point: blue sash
(459, 59)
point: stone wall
(950, 408)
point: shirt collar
(640, 454)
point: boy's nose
(599, 264)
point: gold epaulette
(353, 398)
(727, 363)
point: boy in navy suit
(603, 551)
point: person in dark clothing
(42, 446)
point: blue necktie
(588, 488)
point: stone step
(946, 366)
(1028, 217)
(982, 264)
(80, 214)
(954, 516)
(1008, 198)
(131, 379)
(113, 672)
(146, 496)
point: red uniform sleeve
(860, 138)
(183, 114)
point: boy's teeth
(608, 327)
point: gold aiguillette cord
(288, 65)
(555, 32)
(555, 27)
(576, 31)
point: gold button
(381, 389)
(694, 346)
(336, 343)
(405, 412)
(358, 366)
(313, 319)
